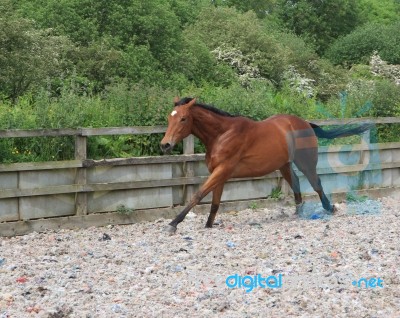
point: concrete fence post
(188, 168)
(80, 177)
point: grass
(276, 193)
(122, 209)
(253, 205)
(354, 197)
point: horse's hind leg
(317, 186)
(325, 202)
(290, 176)
(217, 193)
(306, 161)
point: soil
(346, 265)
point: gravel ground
(140, 271)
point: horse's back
(291, 122)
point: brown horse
(239, 147)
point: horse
(238, 147)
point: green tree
(95, 66)
(243, 32)
(28, 56)
(319, 21)
(262, 8)
(358, 46)
(245, 42)
(379, 11)
(138, 39)
(68, 17)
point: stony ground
(140, 271)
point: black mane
(217, 111)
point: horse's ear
(192, 102)
(176, 100)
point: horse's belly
(257, 167)
(262, 158)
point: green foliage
(386, 99)
(123, 105)
(287, 101)
(199, 66)
(93, 67)
(261, 7)
(251, 102)
(262, 45)
(354, 197)
(101, 147)
(364, 98)
(358, 46)
(66, 16)
(297, 52)
(28, 56)
(140, 40)
(380, 11)
(242, 42)
(367, 98)
(379, 98)
(122, 209)
(276, 193)
(138, 64)
(386, 102)
(319, 21)
(253, 205)
(241, 31)
(119, 106)
(86, 63)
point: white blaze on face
(174, 112)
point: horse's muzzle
(167, 147)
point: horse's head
(179, 125)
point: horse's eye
(183, 119)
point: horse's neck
(208, 127)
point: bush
(28, 56)
(358, 46)
(252, 102)
(119, 106)
(382, 11)
(367, 98)
(321, 22)
(139, 105)
(243, 32)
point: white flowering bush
(381, 68)
(299, 83)
(242, 64)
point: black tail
(343, 131)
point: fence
(85, 192)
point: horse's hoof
(170, 229)
(299, 208)
(332, 209)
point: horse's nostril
(165, 147)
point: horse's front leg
(216, 199)
(215, 180)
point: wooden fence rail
(84, 192)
